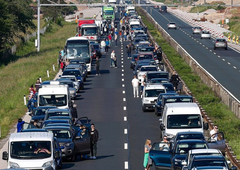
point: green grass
(204, 8)
(16, 77)
(219, 112)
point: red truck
(88, 28)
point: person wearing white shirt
(214, 132)
(103, 44)
(135, 83)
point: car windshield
(70, 84)
(189, 136)
(184, 121)
(159, 81)
(78, 50)
(156, 75)
(39, 112)
(89, 31)
(69, 78)
(148, 69)
(72, 72)
(178, 100)
(53, 100)
(28, 149)
(108, 12)
(61, 134)
(153, 92)
(145, 56)
(183, 148)
(169, 87)
(57, 114)
(210, 163)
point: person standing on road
(116, 38)
(110, 39)
(112, 58)
(213, 133)
(135, 84)
(62, 65)
(129, 50)
(147, 160)
(37, 84)
(107, 45)
(74, 111)
(93, 139)
(174, 80)
(97, 67)
(103, 45)
(19, 125)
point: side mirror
(184, 163)
(160, 120)
(162, 127)
(5, 155)
(206, 126)
(57, 155)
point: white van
(54, 95)
(179, 117)
(23, 151)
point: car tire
(201, 37)
(214, 48)
(143, 108)
(226, 48)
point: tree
(16, 18)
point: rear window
(143, 57)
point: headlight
(46, 164)
(14, 165)
(67, 144)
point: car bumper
(220, 46)
(205, 36)
(149, 106)
(67, 153)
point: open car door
(218, 144)
(28, 126)
(82, 143)
(161, 155)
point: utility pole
(38, 32)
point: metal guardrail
(168, 65)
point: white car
(144, 69)
(150, 94)
(197, 30)
(172, 25)
(205, 34)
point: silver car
(172, 25)
(197, 30)
(72, 78)
(71, 86)
(205, 34)
(220, 43)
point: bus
(79, 48)
(108, 13)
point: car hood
(63, 141)
(181, 157)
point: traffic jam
(56, 134)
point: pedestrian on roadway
(112, 58)
(103, 45)
(174, 80)
(110, 39)
(19, 125)
(93, 140)
(97, 67)
(74, 111)
(116, 38)
(214, 133)
(143, 83)
(147, 162)
(129, 50)
(135, 84)
(107, 45)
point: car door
(82, 143)
(219, 144)
(160, 156)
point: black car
(156, 74)
(189, 135)
(57, 121)
(163, 8)
(76, 73)
(73, 145)
(39, 113)
(80, 61)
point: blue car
(169, 87)
(169, 156)
(158, 104)
(39, 113)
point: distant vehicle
(220, 43)
(76, 73)
(156, 74)
(71, 87)
(39, 113)
(205, 34)
(72, 78)
(108, 13)
(163, 8)
(147, 2)
(57, 112)
(197, 30)
(172, 25)
(89, 29)
(112, 1)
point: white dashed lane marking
(125, 131)
(125, 146)
(122, 79)
(122, 74)
(125, 118)
(124, 99)
(229, 63)
(123, 85)
(122, 70)
(123, 92)
(124, 108)
(223, 59)
(234, 67)
(126, 164)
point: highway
(223, 65)
(108, 101)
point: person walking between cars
(143, 83)
(62, 65)
(19, 125)
(93, 140)
(174, 80)
(113, 56)
(103, 45)
(110, 39)
(214, 133)
(147, 162)
(135, 84)
(116, 38)
(97, 67)
(129, 50)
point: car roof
(189, 132)
(208, 157)
(58, 110)
(177, 97)
(57, 121)
(68, 76)
(148, 66)
(145, 52)
(152, 72)
(191, 141)
(65, 80)
(57, 127)
(45, 107)
(196, 151)
(34, 130)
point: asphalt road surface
(123, 128)
(223, 65)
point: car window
(153, 92)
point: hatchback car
(205, 34)
(220, 43)
(172, 25)
(197, 30)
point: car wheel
(226, 48)
(201, 37)
(214, 48)
(143, 108)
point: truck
(89, 29)
(108, 13)
(54, 95)
(23, 151)
(112, 1)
